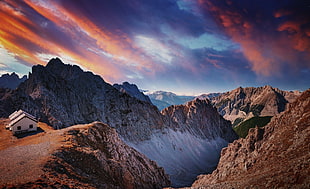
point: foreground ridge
(93, 156)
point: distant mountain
(163, 99)
(186, 140)
(132, 90)
(244, 103)
(275, 156)
(11, 81)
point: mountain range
(185, 140)
(240, 106)
(114, 137)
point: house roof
(18, 115)
(15, 114)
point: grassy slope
(243, 128)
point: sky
(188, 47)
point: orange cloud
(300, 38)
(120, 47)
(95, 48)
(281, 13)
(268, 49)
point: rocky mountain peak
(243, 103)
(66, 71)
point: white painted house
(21, 121)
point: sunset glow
(184, 46)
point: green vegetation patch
(237, 121)
(256, 109)
(243, 128)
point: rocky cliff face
(94, 156)
(275, 156)
(11, 81)
(199, 118)
(132, 90)
(243, 103)
(185, 140)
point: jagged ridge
(243, 103)
(274, 156)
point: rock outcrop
(275, 156)
(132, 90)
(243, 103)
(11, 81)
(94, 156)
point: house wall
(24, 123)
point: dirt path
(22, 159)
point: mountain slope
(244, 103)
(85, 156)
(274, 156)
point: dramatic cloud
(274, 36)
(186, 46)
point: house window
(19, 127)
(30, 126)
